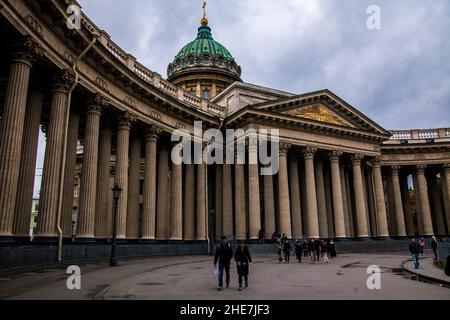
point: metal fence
(443, 250)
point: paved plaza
(192, 278)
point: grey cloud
(399, 76)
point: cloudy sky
(399, 76)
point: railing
(416, 136)
(147, 75)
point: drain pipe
(207, 196)
(66, 129)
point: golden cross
(204, 8)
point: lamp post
(116, 192)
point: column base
(363, 238)
(175, 241)
(341, 239)
(84, 240)
(7, 241)
(102, 240)
(23, 240)
(46, 240)
(148, 241)
(399, 237)
(382, 238)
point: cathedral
(108, 120)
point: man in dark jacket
(414, 250)
(317, 248)
(298, 250)
(243, 259)
(224, 254)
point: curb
(426, 277)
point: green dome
(204, 44)
(204, 52)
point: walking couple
(224, 254)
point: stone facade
(341, 175)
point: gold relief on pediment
(320, 113)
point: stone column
(294, 188)
(269, 207)
(311, 197)
(176, 232)
(48, 202)
(383, 230)
(11, 133)
(445, 180)
(239, 198)
(253, 191)
(437, 207)
(424, 201)
(88, 191)
(28, 165)
(189, 203)
(201, 202)
(351, 210)
(69, 174)
(418, 204)
(122, 150)
(407, 206)
(103, 216)
(134, 177)
(360, 201)
(149, 217)
(227, 194)
(399, 214)
(219, 202)
(162, 215)
(283, 189)
(344, 200)
(338, 207)
(321, 200)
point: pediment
(324, 107)
(321, 113)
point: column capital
(284, 148)
(126, 120)
(309, 152)
(63, 80)
(357, 158)
(376, 162)
(395, 170)
(153, 132)
(335, 155)
(96, 103)
(27, 50)
(446, 167)
(420, 168)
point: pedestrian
(280, 252)
(332, 249)
(421, 245)
(414, 250)
(312, 251)
(287, 251)
(434, 246)
(298, 251)
(224, 254)
(324, 250)
(305, 249)
(284, 238)
(317, 248)
(274, 237)
(243, 259)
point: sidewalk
(427, 270)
